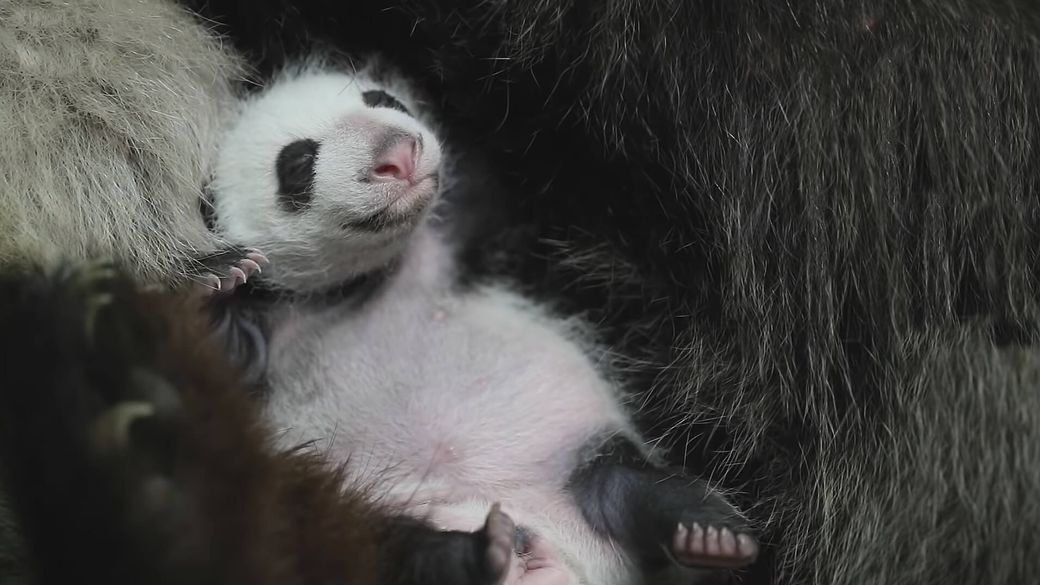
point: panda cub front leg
(239, 330)
(222, 272)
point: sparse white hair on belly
(453, 400)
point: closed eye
(295, 170)
(378, 98)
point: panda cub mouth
(389, 217)
(380, 221)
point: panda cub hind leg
(668, 521)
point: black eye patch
(295, 170)
(378, 98)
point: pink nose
(398, 161)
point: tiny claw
(207, 285)
(681, 535)
(260, 259)
(746, 546)
(249, 266)
(727, 543)
(237, 275)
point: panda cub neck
(330, 174)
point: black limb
(241, 331)
(237, 328)
(660, 516)
(435, 557)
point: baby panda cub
(470, 409)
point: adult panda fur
(811, 225)
(110, 112)
(132, 454)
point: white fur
(311, 249)
(448, 401)
(110, 113)
(454, 401)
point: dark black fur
(637, 504)
(441, 557)
(378, 98)
(294, 168)
(811, 224)
(241, 331)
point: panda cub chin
(478, 416)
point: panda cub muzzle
(398, 173)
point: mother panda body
(112, 111)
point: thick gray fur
(109, 116)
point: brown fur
(225, 508)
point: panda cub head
(328, 174)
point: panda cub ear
(377, 98)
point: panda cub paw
(228, 269)
(500, 532)
(714, 547)
(516, 556)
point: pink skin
(711, 547)
(398, 163)
(538, 564)
(238, 274)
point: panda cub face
(328, 174)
